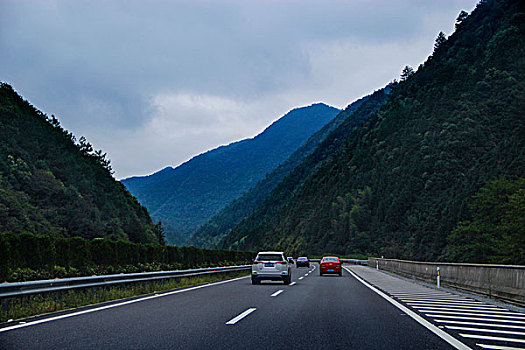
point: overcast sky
(153, 83)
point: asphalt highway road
(328, 312)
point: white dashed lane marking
(241, 316)
(277, 293)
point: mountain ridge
(210, 234)
(55, 185)
(188, 195)
(406, 184)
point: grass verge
(21, 307)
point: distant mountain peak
(185, 197)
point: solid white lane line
(277, 293)
(485, 330)
(480, 324)
(497, 347)
(433, 311)
(5, 329)
(293, 283)
(301, 277)
(241, 316)
(486, 337)
(440, 333)
(476, 319)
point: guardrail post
(438, 278)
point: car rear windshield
(302, 258)
(330, 260)
(269, 257)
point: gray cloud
(153, 83)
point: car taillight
(257, 262)
(282, 262)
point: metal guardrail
(19, 289)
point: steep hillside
(409, 175)
(186, 197)
(51, 185)
(210, 234)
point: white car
(271, 266)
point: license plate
(331, 270)
(268, 265)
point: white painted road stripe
(277, 293)
(292, 283)
(422, 294)
(476, 319)
(486, 337)
(301, 277)
(466, 308)
(44, 320)
(454, 300)
(428, 312)
(474, 306)
(485, 330)
(440, 333)
(241, 316)
(480, 324)
(497, 347)
(305, 275)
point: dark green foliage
(209, 234)
(405, 179)
(276, 202)
(186, 197)
(27, 256)
(51, 185)
(496, 232)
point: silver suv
(271, 266)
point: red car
(330, 264)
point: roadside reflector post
(377, 265)
(438, 278)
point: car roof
(330, 257)
(270, 253)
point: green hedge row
(47, 255)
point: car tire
(320, 273)
(286, 279)
(340, 273)
(255, 280)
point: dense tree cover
(52, 184)
(209, 234)
(186, 197)
(496, 230)
(26, 256)
(406, 180)
(332, 137)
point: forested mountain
(437, 173)
(51, 184)
(184, 198)
(209, 234)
